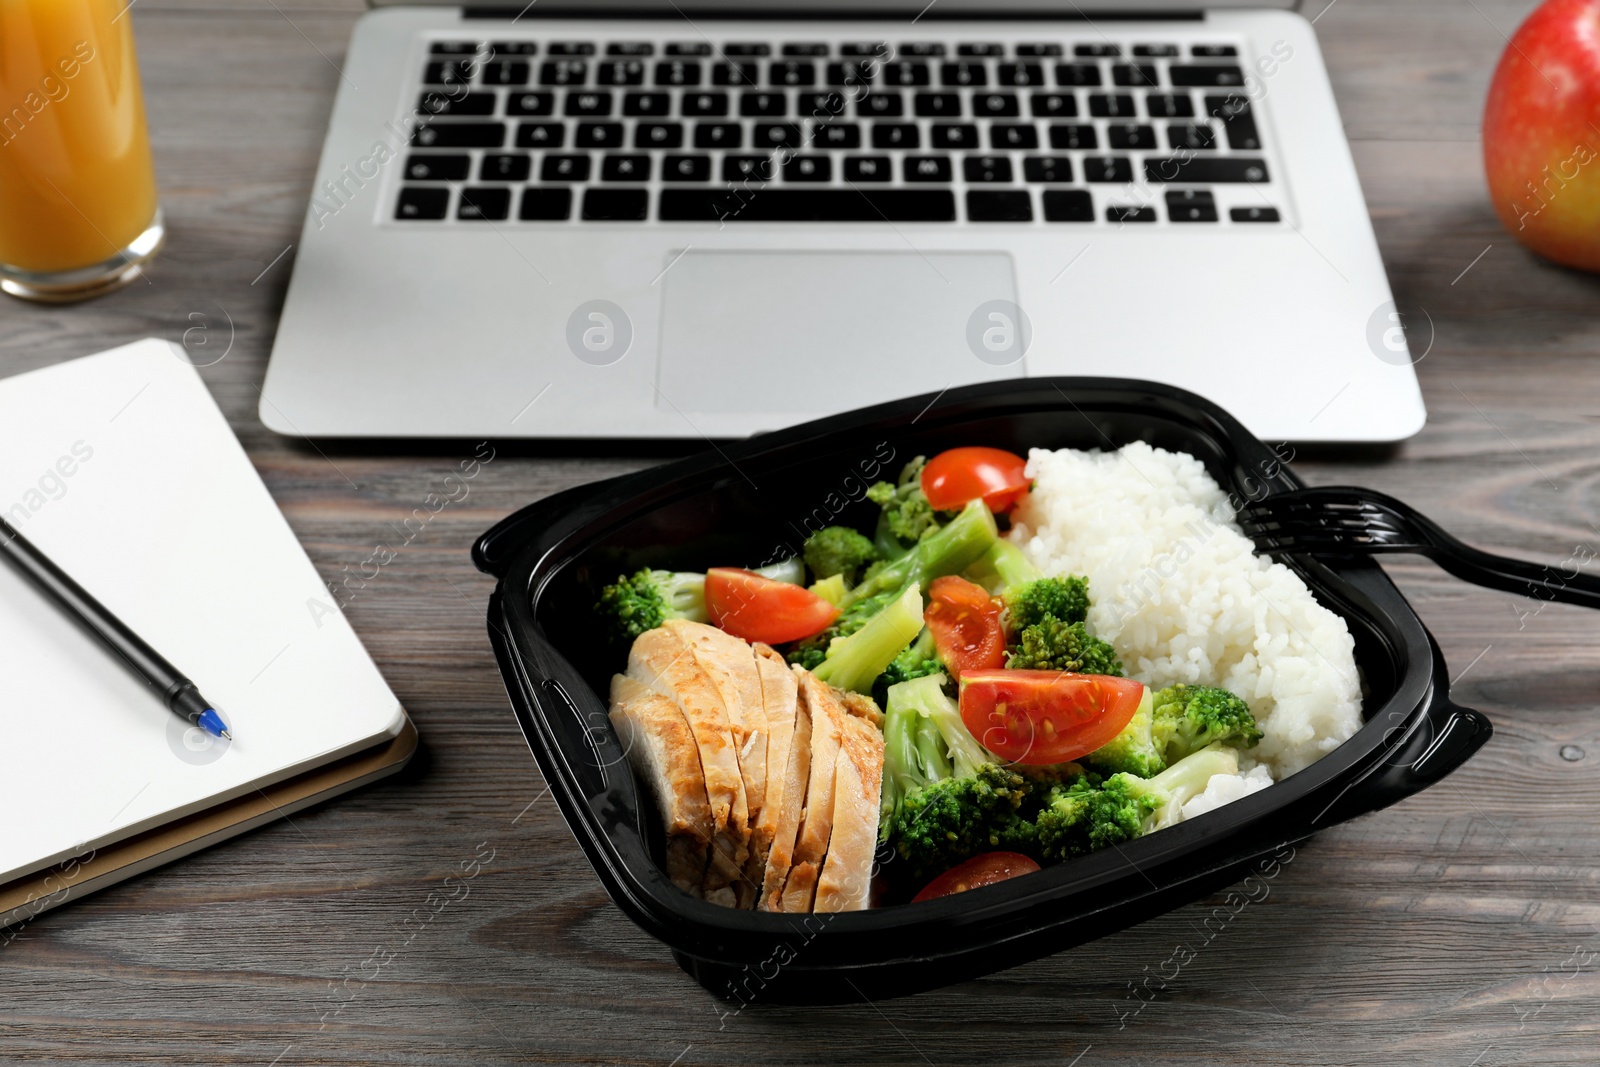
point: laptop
(651, 219)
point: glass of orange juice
(78, 210)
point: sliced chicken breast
(664, 660)
(788, 774)
(663, 752)
(822, 702)
(731, 664)
(846, 880)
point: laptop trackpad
(818, 332)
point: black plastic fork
(1351, 521)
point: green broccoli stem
(943, 716)
(961, 541)
(855, 662)
(931, 749)
(1182, 781)
(1004, 566)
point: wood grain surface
(1458, 928)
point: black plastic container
(752, 502)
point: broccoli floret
(646, 599)
(944, 797)
(1032, 602)
(1187, 718)
(854, 662)
(907, 517)
(949, 550)
(810, 652)
(838, 550)
(1053, 645)
(1133, 750)
(1184, 779)
(919, 660)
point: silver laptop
(585, 220)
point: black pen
(177, 692)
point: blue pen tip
(212, 723)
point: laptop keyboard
(1070, 132)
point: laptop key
(747, 169)
(540, 135)
(1111, 106)
(646, 105)
(868, 48)
(867, 169)
(630, 48)
(1155, 49)
(620, 72)
(422, 203)
(849, 73)
(678, 72)
(572, 48)
(963, 74)
(459, 135)
(995, 105)
(805, 48)
(954, 135)
(808, 169)
(513, 48)
(733, 74)
(986, 169)
(1213, 51)
(922, 48)
(1098, 50)
(926, 168)
(531, 104)
(1169, 106)
(505, 167)
(1068, 205)
(1254, 214)
(1039, 50)
(1192, 137)
(487, 204)
(631, 168)
(763, 105)
(1206, 170)
(758, 49)
(563, 71)
(1077, 74)
(993, 205)
(616, 205)
(1073, 135)
(686, 169)
(658, 135)
(1013, 135)
(1054, 106)
(1047, 169)
(981, 48)
(436, 168)
(1140, 74)
(1107, 169)
(448, 72)
(598, 135)
(895, 135)
(718, 135)
(705, 104)
(1131, 135)
(837, 135)
(1238, 120)
(437, 103)
(1207, 75)
(821, 105)
(881, 105)
(556, 168)
(505, 72)
(588, 104)
(1020, 74)
(1130, 213)
(454, 48)
(905, 73)
(808, 205)
(791, 72)
(937, 105)
(775, 135)
(1191, 205)
(689, 48)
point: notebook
(120, 467)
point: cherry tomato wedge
(958, 475)
(1046, 716)
(984, 869)
(759, 609)
(965, 622)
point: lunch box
(753, 502)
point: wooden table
(1457, 928)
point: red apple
(1541, 133)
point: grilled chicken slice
(788, 773)
(662, 750)
(731, 664)
(846, 880)
(822, 703)
(664, 660)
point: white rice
(1180, 593)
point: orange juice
(77, 188)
